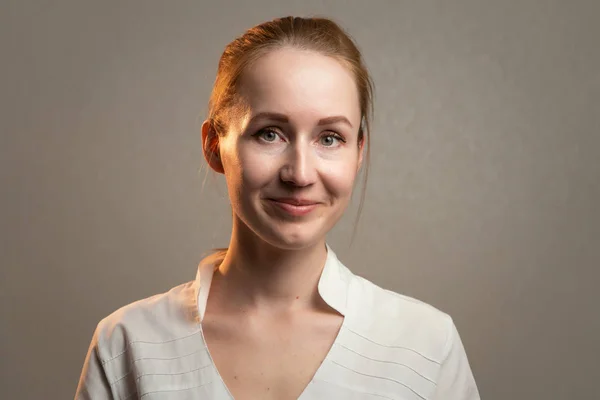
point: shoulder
(157, 319)
(393, 319)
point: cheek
(256, 170)
(339, 178)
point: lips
(294, 206)
(295, 201)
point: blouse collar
(333, 284)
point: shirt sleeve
(93, 382)
(456, 381)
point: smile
(294, 210)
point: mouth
(292, 207)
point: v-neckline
(317, 372)
(207, 281)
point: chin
(292, 239)
(290, 236)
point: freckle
(235, 377)
(268, 388)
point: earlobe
(361, 147)
(210, 146)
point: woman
(277, 315)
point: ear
(361, 147)
(210, 147)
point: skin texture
(266, 326)
(276, 257)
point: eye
(268, 135)
(329, 140)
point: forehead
(300, 82)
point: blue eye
(267, 134)
(270, 135)
(330, 139)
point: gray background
(483, 197)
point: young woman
(277, 315)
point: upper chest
(278, 359)
(269, 358)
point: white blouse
(389, 347)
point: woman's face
(296, 140)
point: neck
(256, 276)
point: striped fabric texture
(390, 346)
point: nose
(298, 168)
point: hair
(320, 35)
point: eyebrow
(284, 119)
